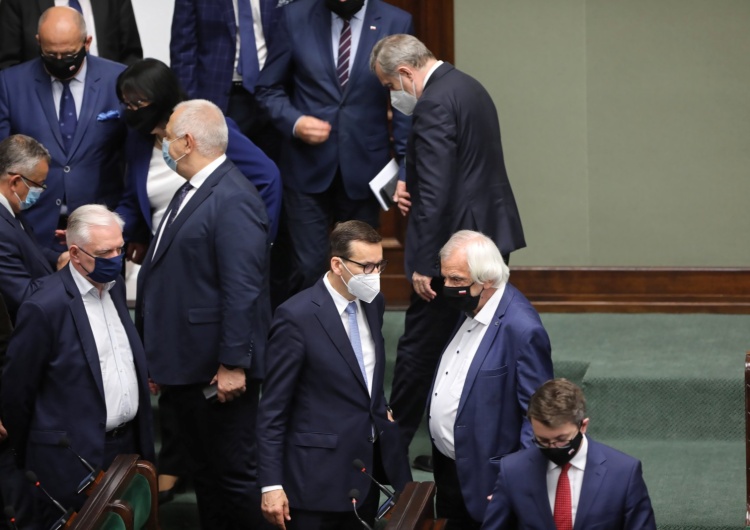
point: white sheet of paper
(384, 183)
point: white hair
(396, 50)
(84, 217)
(482, 256)
(205, 122)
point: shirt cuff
(271, 488)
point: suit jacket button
(66, 169)
(58, 202)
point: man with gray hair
(203, 313)
(75, 371)
(455, 180)
(495, 361)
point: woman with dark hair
(149, 91)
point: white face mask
(403, 101)
(364, 286)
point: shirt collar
(80, 76)
(579, 459)
(5, 202)
(84, 285)
(340, 301)
(359, 15)
(430, 72)
(487, 313)
(200, 177)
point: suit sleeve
(258, 169)
(270, 90)
(534, 369)
(499, 514)
(402, 122)
(285, 354)
(241, 246)
(639, 515)
(129, 47)
(28, 353)
(4, 106)
(183, 45)
(11, 33)
(435, 143)
(15, 275)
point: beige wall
(626, 125)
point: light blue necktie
(351, 311)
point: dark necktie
(174, 206)
(75, 5)
(345, 47)
(68, 118)
(351, 311)
(248, 66)
(563, 502)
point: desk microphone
(93, 473)
(10, 513)
(62, 521)
(353, 494)
(360, 466)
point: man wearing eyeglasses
(323, 404)
(498, 356)
(76, 369)
(568, 479)
(66, 100)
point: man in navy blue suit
(23, 171)
(333, 117)
(202, 316)
(323, 403)
(568, 480)
(76, 369)
(66, 100)
(497, 358)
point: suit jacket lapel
(592, 481)
(27, 237)
(538, 481)
(375, 324)
(47, 102)
(330, 321)
(230, 18)
(325, 45)
(83, 327)
(91, 94)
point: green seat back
(138, 494)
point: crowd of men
(260, 325)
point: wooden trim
(635, 290)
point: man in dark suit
(7, 462)
(333, 117)
(323, 403)
(497, 358)
(76, 368)
(201, 314)
(23, 170)
(456, 179)
(86, 144)
(568, 480)
(111, 23)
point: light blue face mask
(171, 162)
(31, 197)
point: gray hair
(482, 256)
(84, 217)
(21, 154)
(77, 19)
(395, 50)
(206, 124)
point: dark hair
(556, 402)
(344, 233)
(152, 80)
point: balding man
(76, 369)
(203, 312)
(66, 100)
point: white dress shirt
(260, 39)
(575, 476)
(115, 353)
(452, 371)
(88, 18)
(430, 72)
(355, 24)
(4, 201)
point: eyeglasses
(102, 253)
(27, 179)
(64, 56)
(135, 105)
(559, 442)
(368, 268)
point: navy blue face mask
(105, 269)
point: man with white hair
(75, 370)
(495, 361)
(203, 313)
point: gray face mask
(403, 101)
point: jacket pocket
(46, 437)
(495, 372)
(316, 439)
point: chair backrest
(414, 509)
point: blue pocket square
(109, 115)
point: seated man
(567, 479)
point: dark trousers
(428, 327)
(311, 520)
(220, 439)
(449, 501)
(254, 122)
(310, 217)
(173, 457)
(14, 487)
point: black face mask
(563, 455)
(346, 9)
(145, 119)
(66, 67)
(461, 298)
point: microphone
(10, 513)
(66, 513)
(89, 479)
(353, 495)
(360, 466)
